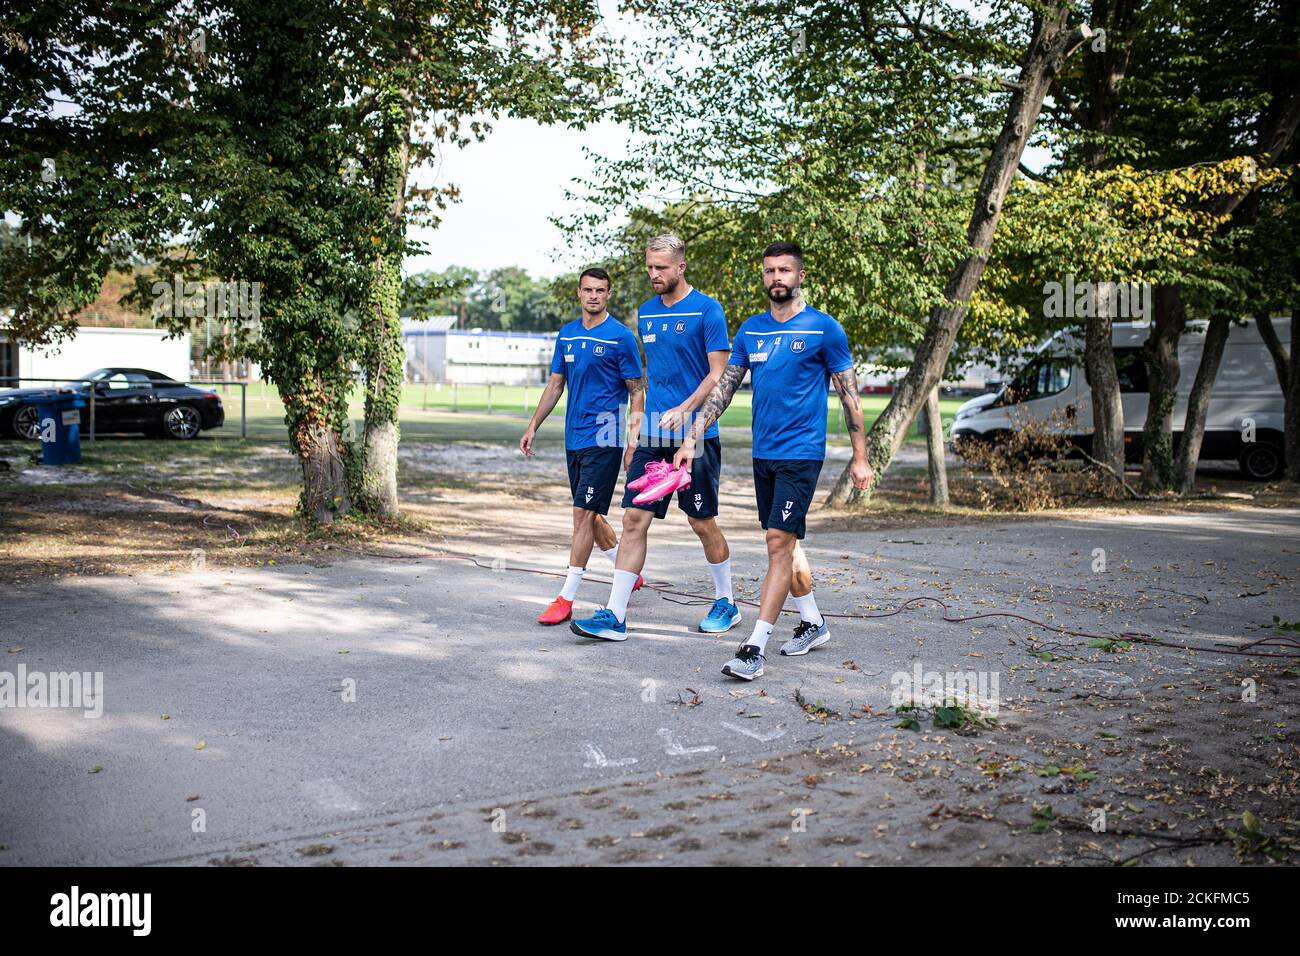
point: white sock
(807, 606)
(612, 554)
(621, 591)
(571, 582)
(762, 631)
(721, 579)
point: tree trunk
(1105, 71)
(934, 450)
(1288, 377)
(1274, 139)
(1103, 381)
(385, 353)
(1161, 355)
(1052, 43)
(1198, 402)
(325, 492)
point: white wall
(93, 348)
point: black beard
(785, 296)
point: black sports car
(126, 400)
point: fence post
(243, 409)
(489, 398)
(455, 397)
(92, 411)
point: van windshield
(1041, 378)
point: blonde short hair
(668, 242)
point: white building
(436, 352)
(91, 348)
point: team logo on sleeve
(796, 345)
(680, 327)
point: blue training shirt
(677, 341)
(595, 362)
(790, 364)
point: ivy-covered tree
(278, 142)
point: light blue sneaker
(603, 624)
(806, 636)
(747, 664)
(723, 616)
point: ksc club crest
(680, 327)
(599, 350)
(796, 345)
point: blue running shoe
(603, 624)
(747, 664)
(723, 616)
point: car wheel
(181, 422)
(27, 423)
(1260, 461)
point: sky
(516, 179)
(510, 184)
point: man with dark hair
(792, 352)
(791, 249)
(597, 356)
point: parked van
(1245, 417)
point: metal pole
(92, 411)
(455, 392)
(489, 398)
(243, 409)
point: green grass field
(475, 413)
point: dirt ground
(151, 514)
(1189, 778)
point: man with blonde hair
(684, 334)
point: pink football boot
(653, 471)
(673, 479)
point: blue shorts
(593, 473)
(700, 500)
(785, 488)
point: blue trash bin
(59, 418)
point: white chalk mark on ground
(673, 749)
(597, 758)
(328, 795)
(762, 738)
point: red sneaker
(559, 611)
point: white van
(1246, 404)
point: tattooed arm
(635, 412)
(846, 384)
(710, 412)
